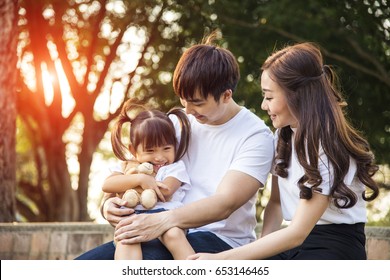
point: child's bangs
(156, 134)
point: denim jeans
(201, 241)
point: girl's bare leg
(128, 252)
(176, 242)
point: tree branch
(380, 75)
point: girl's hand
(149, 182)
(161, 186)
(114, 210)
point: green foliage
(354, 36)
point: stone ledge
(50, 241)
(68, 226)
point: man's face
(206, 111)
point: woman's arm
(273, 212)
(307, 215)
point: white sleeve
(256, 155)
(176, 170)
(115, 168)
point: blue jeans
(202, 241)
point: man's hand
(142, 227)
(114, 210)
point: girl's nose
(158, 157)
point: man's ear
(227, 95)
(132, 150)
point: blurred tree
(79, 61)
(8, 59)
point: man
(228, 161)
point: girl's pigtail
(185, 128)
(120, 150)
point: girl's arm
(307, 215)
(273, 212)
(171, 184)
(118, 182)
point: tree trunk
(92, 135)
(8, 39)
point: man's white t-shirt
(245, 144)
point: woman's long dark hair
(150, 128)
(314, 99)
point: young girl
(323, 168)
(153, 140)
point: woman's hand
(114, 210)
(203, 256)
(142, 227)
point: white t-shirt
(244, 144)
(176, 170)
(289, 191)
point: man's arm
(235, 189)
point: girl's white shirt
(289, 190)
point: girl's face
(208, 111)
(275, 103)
(158, 156)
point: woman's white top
(289, 190)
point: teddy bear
(147, 198)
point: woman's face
(275, 103)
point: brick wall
(50, 241)
(65, 241)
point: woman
(321, 170)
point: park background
(67, 66)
